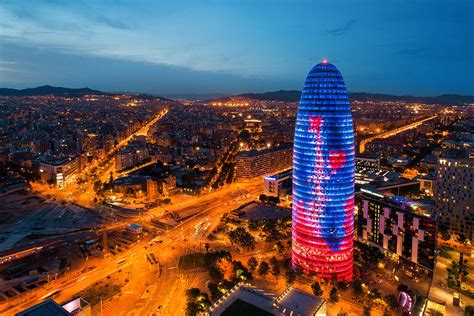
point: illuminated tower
(323, 177)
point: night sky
(398, 47)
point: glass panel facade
(323, 177)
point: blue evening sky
(226, 46)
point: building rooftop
(239, 297)
(55, 161)
(254, 152)
(280, 175)
(46, 308)
(256, 211)
(240, 307)
(135, 226)
(296, 302)
(248, 300)
(420, 207)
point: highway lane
(393, 132)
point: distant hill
(65, 92)
(294, 96)
(49, 90)
(194, 96)
(444, 99)
(280, 95)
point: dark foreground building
(323, 177)
(398, 225)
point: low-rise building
(61, 171)
(427, 183)
(368, 161)
(76, 307)
(277, 184)
(255, 301)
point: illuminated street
(208, 158)
(211, 207)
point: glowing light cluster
(323, 177)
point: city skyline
(157, 48)
(178, 158)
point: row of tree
(242, 237)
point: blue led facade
(323, 177)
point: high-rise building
(323, 177)
(454, 193)
(254, 163)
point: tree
(275, 265)
(279, 246)
(215, 274)
(214, 290)
(240, 272)
(333, 295)
(242, 237)
(271, 231)
(193, 293)
(263, 268)
(375, 293)
(370, 254)
(366, 311)
(317, 290)
(342, 285)
(357, 288)
(192, 309)
(443, 229)
(252, 263)
(203, 302)
(97, 185)
(230, 176)
(290, 277)
(392, 301)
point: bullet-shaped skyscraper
(323, 177)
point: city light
(323, 178)
(180, 166)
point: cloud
(129, 33)
(338, 31)
(113, 23)
(9, 66)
